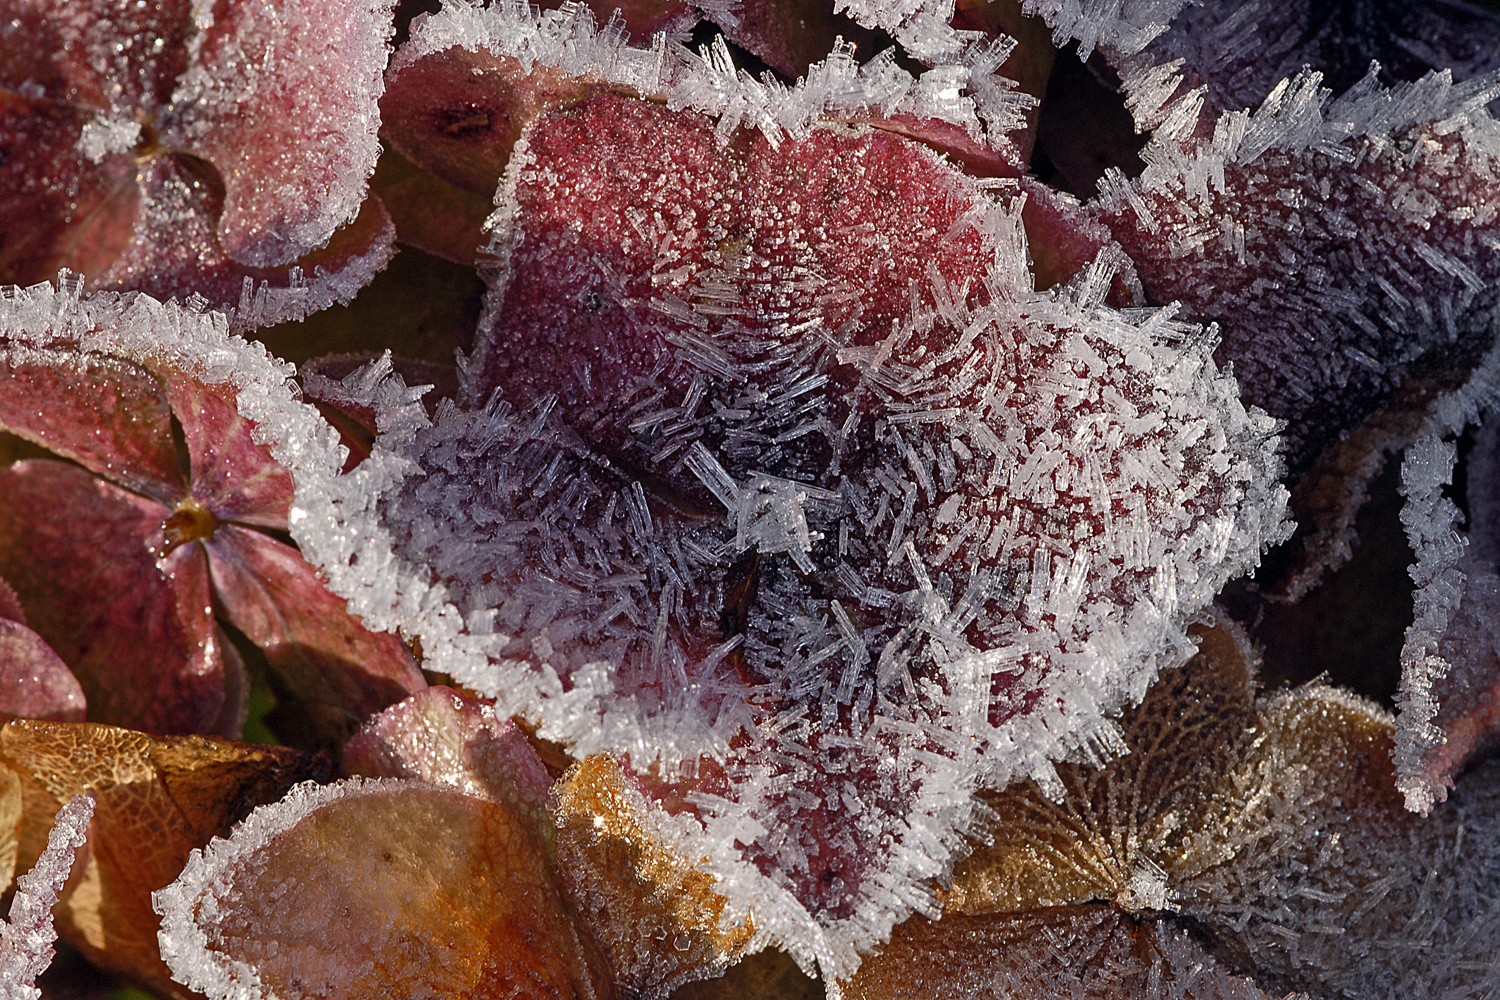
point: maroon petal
(446, 738)
(230, 473)
(610, 308)
(109, 415)
(458, 112)
(281, 98)
(115, 56)
(34, 682)
(57, 209)
(10, 604)
(138, 632)
(325, 662)
(174, 252)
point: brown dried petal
(157, 800)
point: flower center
(190, 522)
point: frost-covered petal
(1239, 50)
(34, 681)
(475, 912)
(174, 253)
(157, 799)
(1086, 952)
(107, 414)
(770, 520)
(230, 473)
(442, 737)
(1310, 870)
(26, 937)
(113, 56)
(136, 628)
(281, 96)
(58, 208)
(325, 662)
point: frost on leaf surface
(786, 486)
(214, 148)
(1241, 49)
(120, 559)
(463, 88)
(475, 912)
(1450, 666)
(26, 937)
(1346, 245)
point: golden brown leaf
(10, 822)
(655, 916)
(1114, 826)
(378, 889)
(158, 798)
(1083, 952)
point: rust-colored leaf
(157, 800)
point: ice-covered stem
(26, 938)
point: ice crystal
(880, 547)
(26, 938)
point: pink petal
(57, 209)
(34, 682)
(109, 415)
(231, 474)
(174, 252)
(323, 659)
(281, 98)
(446, 738)
(372, 889)
(137, 632)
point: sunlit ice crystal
(26, 937)
(783, 484)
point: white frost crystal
(26, 938)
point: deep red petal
(113, 55)
(107, 414)
(320, 654)
(34, 682)
(281, 98)
(231, 474)
(138, 633)
(457, 113)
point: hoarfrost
(966, 90)
(1448, 658)
(1120, 27)
(1339, 241)
(1020, 500)
(26, 938)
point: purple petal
(109, 415)
(231, 474)
(281, 98)
(446, 738)
(137, 631)
(34, 682)
(323, 659)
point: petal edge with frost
(26, 937)
(475, 912)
